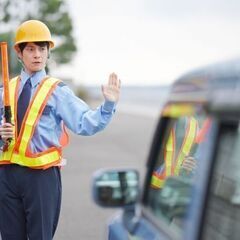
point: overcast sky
(149, 42)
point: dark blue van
(192, 186)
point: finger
(189, 157)
(189, 166)
(109, 79)
(10, 131)
(119, 83)
(6, 124)
(115, 79)
(190, 160)
(110, 82)
(6, 127)
(6, 137)
(193, 163)
(103, 89)
(7, 132)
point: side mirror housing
(115, 188)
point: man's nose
(37, 53)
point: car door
(222, 209)
(179, 169)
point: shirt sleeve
(78, 116)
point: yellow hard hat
(33, 31)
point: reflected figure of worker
(179, 153)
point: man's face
(34, 57)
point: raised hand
(111, 91)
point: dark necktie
(23, 102)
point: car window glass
(174, 175)
(222, 219)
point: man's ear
(19, 55)
(18, 52)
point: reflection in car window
(222, 220)
(174, 175)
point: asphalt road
(124, 143)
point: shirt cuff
(109, 106)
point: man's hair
(40, 44)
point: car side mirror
(115, 188)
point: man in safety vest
(30, 181)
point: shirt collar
(36, 78)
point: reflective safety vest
(18, 151)
(172, 159)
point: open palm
(111, 91)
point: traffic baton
(5, 80)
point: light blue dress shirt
(63, 106)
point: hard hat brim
(51, 43)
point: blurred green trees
(52, 12)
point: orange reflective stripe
(187, 144)
(203, 131)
